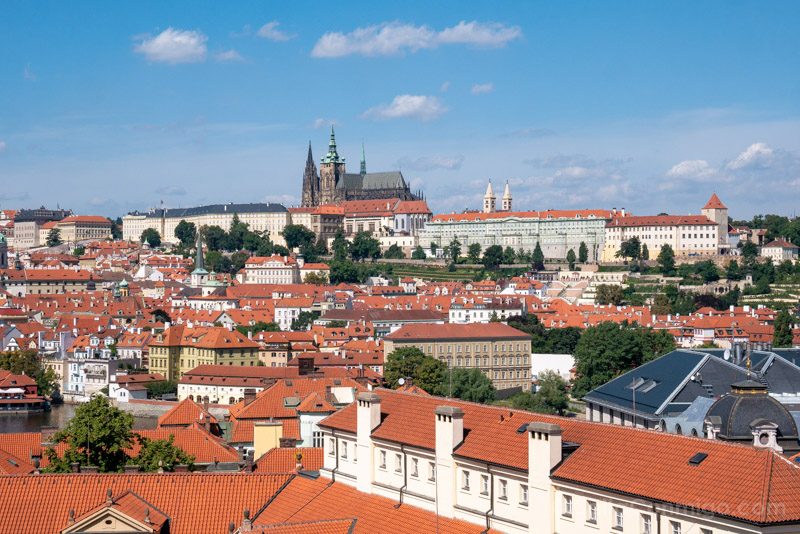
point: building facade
(688, 235)
(556, 231)
(501, 352)
(263, 217)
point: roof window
(698, 458)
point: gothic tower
(363, 161)
(310, 182)
(331, 170)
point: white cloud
(430, 163)
(270, 31)
(420, 107)
(757, 155)
(2, 146)
(445, 86)
(393, 38)
(693, 168)
(228, 56)
(482, 88)
(323, 123)
(174, 46)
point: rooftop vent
(522, 428)
(698, 458)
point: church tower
(717, 212)
(489, 199)
(331, 170)
(310, 182)
(363, 160)
(507, 198)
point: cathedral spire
(199, 261)
(332, 156)
(363, 160)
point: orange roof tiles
(284, 459)
(660, 220)
(438, 332)
(620, 459)
(714, 203)
(194, 502)
(304, 499)
(194, 440)
(323, 526)
(185, 413)
(549, 214)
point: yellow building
(178, 349)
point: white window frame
(566, 505)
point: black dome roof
(749, 404)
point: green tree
(79, 251)
(116, 228)
(583, 253)
(238, 260)
(434, 248)
(98, 435)
(537, 259)
(571, 259)
(645, 252)
(259, 326)
(509, 256)
(410, 362)
(474, 252)
(28, 362)
(155, 454)
(313, 278)
(666, 261)
(151, 236)
(609, 294)
(340, 246)
(749, 252)
(707, 270)
(186, 232)
(630, 248)
(304, 320)
(732, 271)
(216, 261)
(344, 272)
(552, 393)
(661, 304)
(493, 257)
(455, 250)
(470, 385)
(418, 254)
(214, 237)
(394, 252)
(54, 238)
(298, 236)
(365, 246)
(782, 336)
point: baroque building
(334, 184)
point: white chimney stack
(449, 435)
(368, 417)
(544, 453)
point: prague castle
(334, 184)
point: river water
(57, 417)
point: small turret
(507, 198)
(489, 200)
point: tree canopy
(155, 454)
(304, 320)
(782, 336)
(551, 396)
(151, 236)
(493, 257)
(571, 259)
(474, 252)
(394, 252)
(537, 259)
(27, 362)
(666, 260)
(364, 246)
(186, 232)
(583, 253)
(53, 237)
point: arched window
(678, 430)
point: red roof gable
(714, 203)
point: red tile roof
(270, 402)
(714, 203)
(780, 243)
(242, 430)
(323, 526)
(440, 332)
(284, 460)
(756, 485)
(194, 440)
(185, 413)
(194, 502)
(549, 214)
(304, 499)
(85, 219)
(659, 220)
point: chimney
(544, 453)
(368, 417)
(449, 434)
(622, 212)
(249, 395)
(247, 524)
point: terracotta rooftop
(714, 203)
(284, 460)
(185, 413)
(620, 459)
(193, 502)
(441, 332)
(659, 220)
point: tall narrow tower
(310, 182)
(331, 171)
(717, 212)
(363, 160)
(507, 198)
(489, 199)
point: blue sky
(108, 107)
